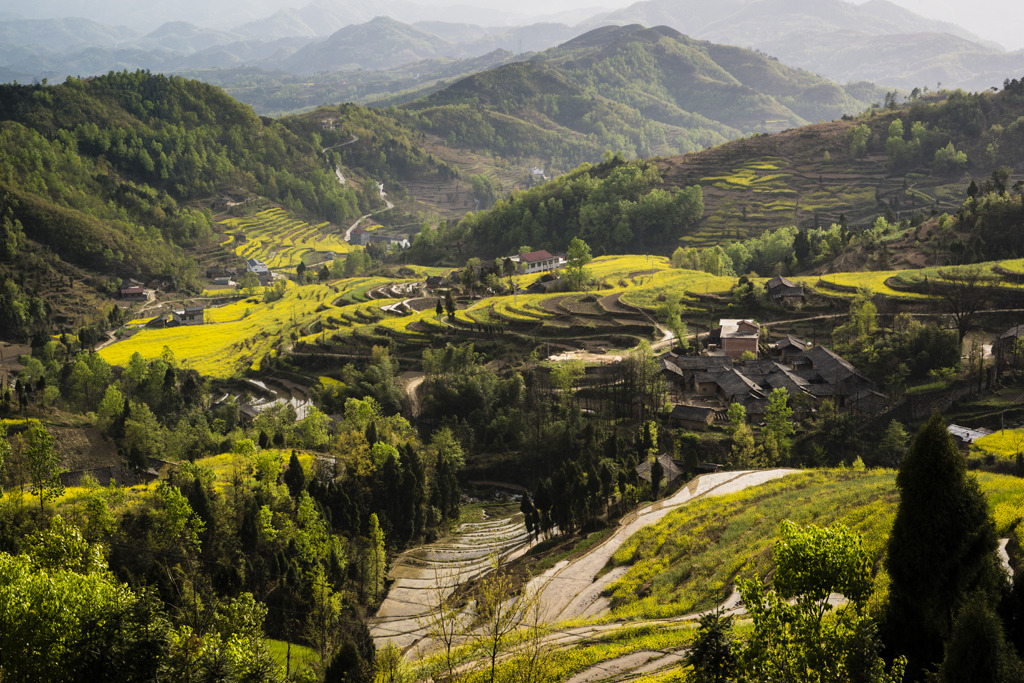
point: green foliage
(577, 258)
(614, 207)
(942, 545)
(44, 464)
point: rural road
(570, 589)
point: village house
(191, 315)
(692, 417)
(670, 470)
(539, 261)
(256, 266)
(715, 382)
(1009, 347)
(783, 290)
(736, 337)
(359, 237)
(134, 293)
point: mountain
(61, 35)
(875, 41)
(183, 37)
(644, 91)
(378, 44)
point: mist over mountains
(249, 47)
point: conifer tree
(942, 546)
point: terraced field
(237, 336)
(281, 241)
(423, 576)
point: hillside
(899, 163)
(643, 91)
(875, 41)
(114, 178)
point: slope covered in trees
(643, 91)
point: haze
(998, 21)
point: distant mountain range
(645, 91)
(876, 41)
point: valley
(625, 355)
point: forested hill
(643, 91)
(908, 162)
(114, 176)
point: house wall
(734, 347)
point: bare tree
(446, 623)
(965, 291)
(500, 609)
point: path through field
(571, 589)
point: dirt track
(571, 589)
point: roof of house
(780, 281)
(830, 365)
(671, 470)
(967, 434)
(789, 341)
(534, 256)
(1015, 331)
(194, 309)
(132, 290)
(691, 413)
(738, 328)
(734, 384)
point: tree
(500, 608)
(294, 476)
(792, 638)
(449, 306)
(942, 546)
(5, 454)
(712, 656)
(577, 258)
(657, 474)
(43, 465)
(964, 291)
(977, 650)
(248, 283)
(778, 421)
(374, 561)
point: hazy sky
(1001, 21)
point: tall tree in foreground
(942, 546)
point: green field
(692, 558)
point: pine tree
(942, 546)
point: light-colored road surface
(571, 589)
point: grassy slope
(691, 559)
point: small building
(671, 471)
(435, 281)
(783, 290)
(359, 237)
(789, 347)
(965, 436)
(134, 293)
(1009, 347)
(256, 266)
(692, 417)
(191, 315)
(538, 262)
(737, 337)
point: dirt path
(571, 589)
(411, 381)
